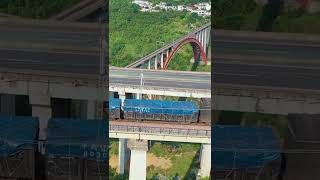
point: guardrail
(160, 130)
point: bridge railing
(160, 130)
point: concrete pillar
(156, 62)
(149, 64)
(161, 60)
(122, 155)
(138, 159)
(94, 109)
(111, 95)
(41, 108)
(91, 109)
(8, 104)
(202, 39)
(205, 41)
(205, 160)
(122, 97)
(138, 96)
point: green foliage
(34, 8)
(113, 175)
(232, 14)
(277, 122)
(134, 34)
(179, 2)
(297, 21)
(113, 147)
(182, 156)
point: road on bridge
(170, 79)
(283, 62)
(39, 45)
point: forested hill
(34, 8)
(179, 2)
(134, 34)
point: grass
(113, 146)
(182, 156)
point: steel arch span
(196, 47)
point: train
(159, 110)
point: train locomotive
(156, 110)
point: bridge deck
(160, 131)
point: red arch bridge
(160, 59)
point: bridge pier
(41, 108)
(123, 155)
(205, 160)
(7, 104)
(122, 97)
(138, 159)
(161, 60)
(94, 108)
(149, 64)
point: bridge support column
(161, 60)
(205, 160)
(156, 62)
(138, 160)
(41, 108)
(204, 40)
(123, 155)
(122, 97)
(149, 64)
(94, 108)
(8, 104)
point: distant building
(203, 6)
(202, 9)
(181, 8)
(143, 4)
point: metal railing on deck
(160, 130)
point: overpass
(160, 59)
(81, 10)
(167, 83)
(266, 72)
(135, 135)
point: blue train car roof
(158, 106)
(17, 133)
(235, 147)
(114, 104)
(77, 138)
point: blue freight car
(75, 145)
(18, 142)
(245, 149)
(114, 108)
(180, 111)
(77, 138)
(17, 133)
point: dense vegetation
(34, 8)
(278, 123)
(246, 15)
(134, 34)
(182, 156)
(179, 2)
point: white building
(202, 9)
(204, 6)
(142, 3)
(180, 8)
